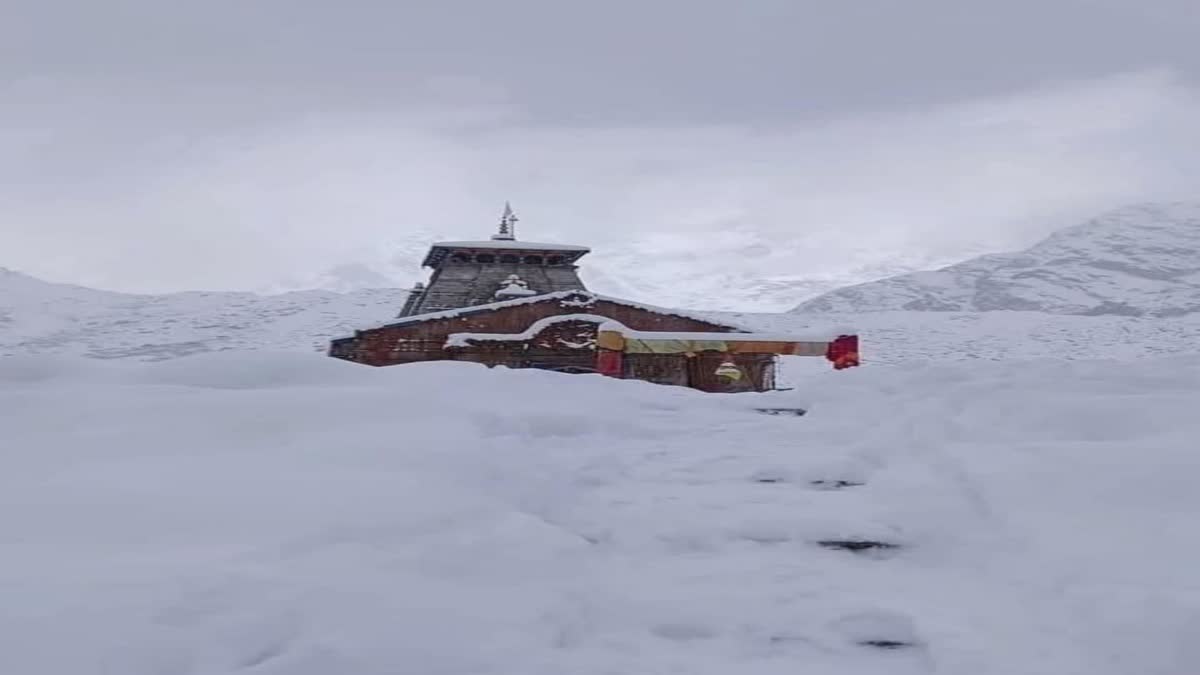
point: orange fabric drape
(610, 362)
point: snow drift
(289, 514)
(38, 317)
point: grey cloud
(154, 145)
(632, 60)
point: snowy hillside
(294, 515)
(37, 317)
(1141, 260)
(53, 319)
(739, 270)
(906, 337)
(736, 269)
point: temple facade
(471, 273)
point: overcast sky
(155, 145)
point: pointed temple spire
(508, 225)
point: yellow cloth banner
(636, 346)
(611, 341)
(736, 344)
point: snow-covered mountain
(38, 317)
(1137, 268)
(738, 269)
(1137, 261)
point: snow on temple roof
(511, 243)
(514, 287)
(823, 335)
(439, 250)
(580, 299)
(606, 324)
(463, 339)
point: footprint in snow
(878, 629)
(780, 475)
(834, 484)
(864, 547)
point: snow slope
(907, 337)
(41, 318)
(1141, 260)
(38, 317)
(729, 269)
(738, 269)
(285, 514)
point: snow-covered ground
(205, 493)
(908, 337)
(290, 514)
(38, 317)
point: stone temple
(469, 273)
(502, 302)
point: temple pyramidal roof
(439, 251)
(504, 240)
(510, 244)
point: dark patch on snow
(857, 545)
(885, 644)
(784, 640)
(834, 484)
(773, 475)
(793, 412)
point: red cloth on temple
(610, 362)
(843, 352)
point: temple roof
(439, 250)
(576, 299)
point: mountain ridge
(40, 318)
(43, 317)
(1140, 260)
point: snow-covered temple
(505, 302)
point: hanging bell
(727, 370)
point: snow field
(288, 514)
